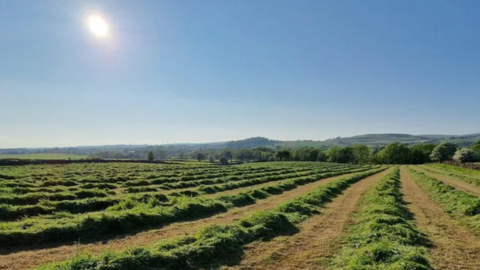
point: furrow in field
(44, 254)
(450, 180)
(454, 247)
(317, 240)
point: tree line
(394, 153)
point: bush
(443, 152)
(466, 155)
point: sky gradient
(203, 71)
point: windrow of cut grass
(10, 213)
(45, 207)
(383, 236)
(217, 243)
(34, 198)
(229, 179)
(458, 204)
(192, 181)
(454, 176)
(455, 169)
(453, 201)
(133, 215)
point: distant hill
(136, 151)
(384, 139)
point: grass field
(273, 215)
(43, 156)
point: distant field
(44, 156)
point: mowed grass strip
(383, 236)
(134, 215)
(457, 170)
(459, 205)
(214, 244)
(455, 176)
(11, 213)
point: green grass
(216, 242)
(383, 236)
(43, 156)
(459, 205)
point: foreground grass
(383, 236)
(131, 215)
(216, 243)
(458, 204)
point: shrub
(466, 155)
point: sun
(98, 26)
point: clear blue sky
(198, 71)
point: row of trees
(395, 153)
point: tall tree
(444, 151)
(200, 156)
(395, 153)
(420, 153)
(361, 154)
(476, 147)
(283, 155)
(466, 155)
(150, 156)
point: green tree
(420, 153)
(361, 154)
(443, 151)
(333, 154)
(150, 156)
(341, 155)
(313, 154)
(476, 147)
(200, 156)
(283, 155)
(321, 156)
(466, 155)
(223, 160)
(228, 154)
(394, 153)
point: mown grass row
(453, 201)
(121, 177)
(383, 236)
(134, 215)
(10, 213)
(214, 181)
(456, 169)
(172, 183)
(215, 244)
(458, 204)
(34, 198)
(455, 176)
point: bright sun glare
(98, 26)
